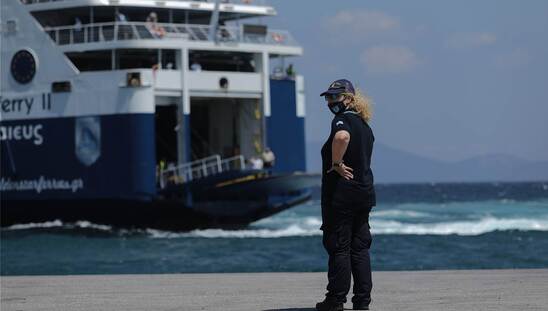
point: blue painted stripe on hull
(69, 158)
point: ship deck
(397, 290)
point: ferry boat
(156, 114)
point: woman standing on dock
(348, 194)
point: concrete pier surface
(393, 290)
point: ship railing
(199, 169)
(233, 163)
(247, 2)
(121, 31)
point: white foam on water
(87, 224)
(31, 225)
(309, 226)
(59, 224)
(277, 222)
(465, 228)
(304, 226)
(290, 231)
(399, 213)
(468, 227)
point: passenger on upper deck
(223, 32)
(77, 24)
(78, 34)
(152, 25)
(124, 29)
(121, 17)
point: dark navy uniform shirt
(357, 156)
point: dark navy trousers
(347, 240)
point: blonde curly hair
(361, 103)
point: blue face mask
(336, 107)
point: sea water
(414, 226)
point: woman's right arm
(338, 148)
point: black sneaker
(360, 307)
(329, 306)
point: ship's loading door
(226, 126)
(166, 133)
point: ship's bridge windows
(221, 61)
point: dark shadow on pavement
(296, 309)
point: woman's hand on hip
(343, 170)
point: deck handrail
(125, 30)
(199, 168)
(245, 2)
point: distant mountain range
(391, 165)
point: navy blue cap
(339, 86)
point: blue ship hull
(166, 214)
(231, 201)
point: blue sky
(449, 79)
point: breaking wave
(465, 228)
(310, 226)
(82, 224)
(468, 227)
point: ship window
(169, 59)
(222, 61)
(136, 58)
(60, 86)
(257, 30)
(91, 60)
(133, 79)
